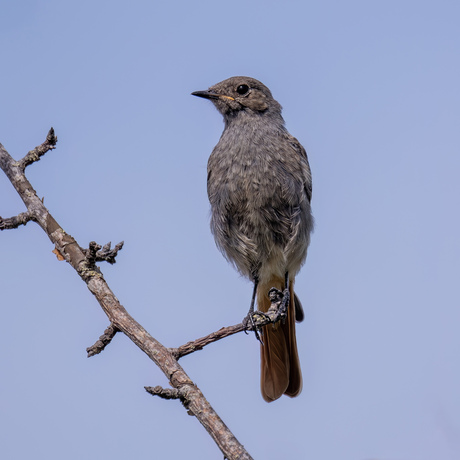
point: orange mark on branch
(59, 256)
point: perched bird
(259, 187)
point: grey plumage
(259, 186)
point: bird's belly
(256, 242)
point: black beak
(205, 94)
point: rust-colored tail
(280, 367)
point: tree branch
(39, 151)
(120, 319)
(95, 254)
(103, 341)
(259, 319)
(164, 393)
(15, 221)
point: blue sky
(370, 89)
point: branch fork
(97, 253)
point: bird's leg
(248, 321)
(253, 299)
(286, 296)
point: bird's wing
(304, 164)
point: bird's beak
(210, 95)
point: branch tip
(40, 150)
(51, 137)
(103, 341)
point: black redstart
(259, 187)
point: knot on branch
(97, 253)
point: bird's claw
(279, 304)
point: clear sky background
(371, 89)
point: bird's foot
(279, 304)
(254, 320)
(250, 322)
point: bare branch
(15, 221)
(259, 320)
(40, 150)
(78, 258)
(164, 393)
(199, 344)
(103, 341)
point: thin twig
(199, 344)
(103, 341)
(15, 221)
(40, 150)
(164, 393)
(259, 319)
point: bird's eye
(242, 89)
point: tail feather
(299, 314)
(280, 365)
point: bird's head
(238, 94)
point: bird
(259, 187)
